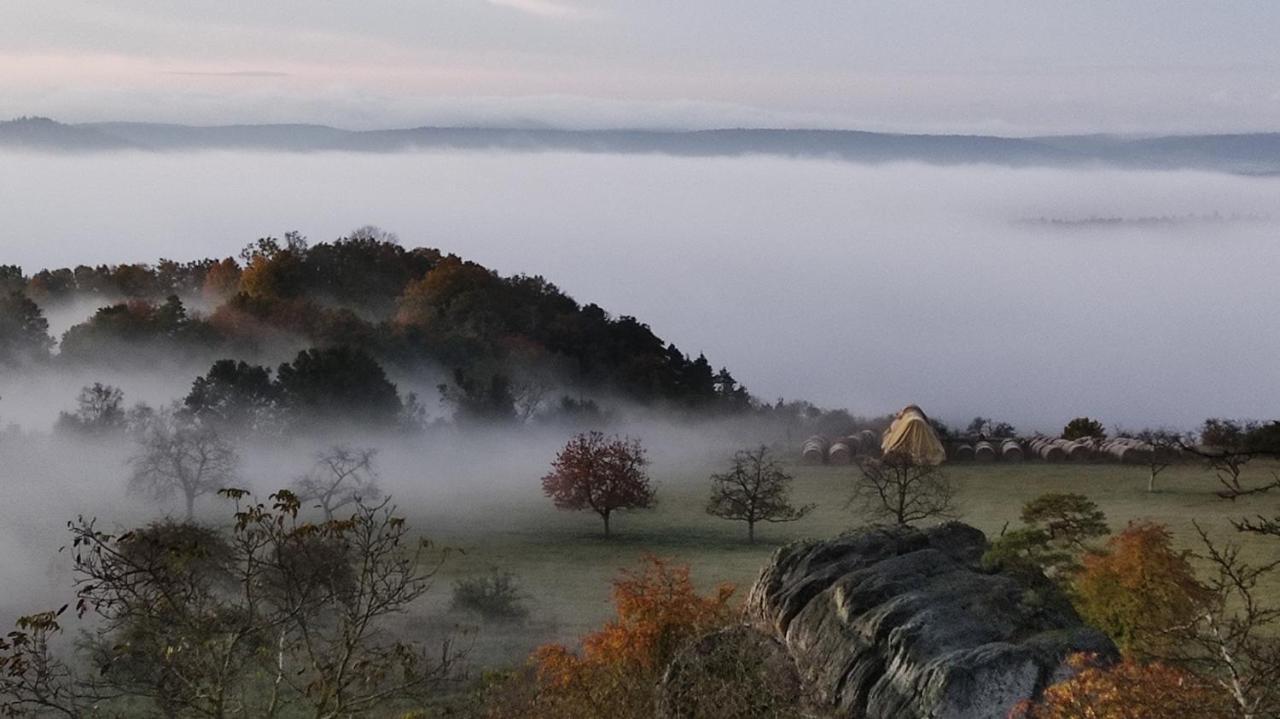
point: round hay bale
(870, 442)
(984, 452)
(855, 444)
(1051, 452)
(839, 453)
(1079, 451)
(814, 450)
(962, 453)
(1011, 451)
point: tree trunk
(1151, 482)
(751, 532)
(606, 524)
(191, 507)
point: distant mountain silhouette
(1252, 154)
(290, 138)
(41, 133)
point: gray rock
(904, 623)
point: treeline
(506, 344)
(337, 388)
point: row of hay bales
(840, 450)
(1053, 449)
(1008, 450)
(1134, 451)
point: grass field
(565, 564)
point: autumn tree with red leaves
(602, 474)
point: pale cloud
(227, 73)
(541, 8)
(1004, 66)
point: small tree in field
(1164, 446)
(1226, 447)
(602, 474)
(343, 476)
(755, 489)
(898, 489)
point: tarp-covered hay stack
(912, 436)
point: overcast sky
(1001, 66)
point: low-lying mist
(446, 481)
(860, 286)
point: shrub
(1056, 531)
(495, 596)
(1128, 690)
(658, 613)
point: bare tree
(1161, 451)
(1265, 526)
(1227, 447)
(755, 489)
(177, 455)
(343, 475)
(1228, 465)
(897, 488)
(1233, 636)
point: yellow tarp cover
(912, 435)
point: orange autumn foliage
(1138, 588)
(658, 611)
(1128, 690)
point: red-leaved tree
(602, 474)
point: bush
(495, 596)
(735, 673)
(1128, 690)
(659, 612)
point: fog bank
(858, 286)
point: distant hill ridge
(1252, 154)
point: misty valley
(359, 477)
(674, 430)
(591, 359)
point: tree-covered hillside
(507, 345)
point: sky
(1013, 67)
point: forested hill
(505, 344)
(1249, 153)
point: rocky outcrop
(905, 623)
